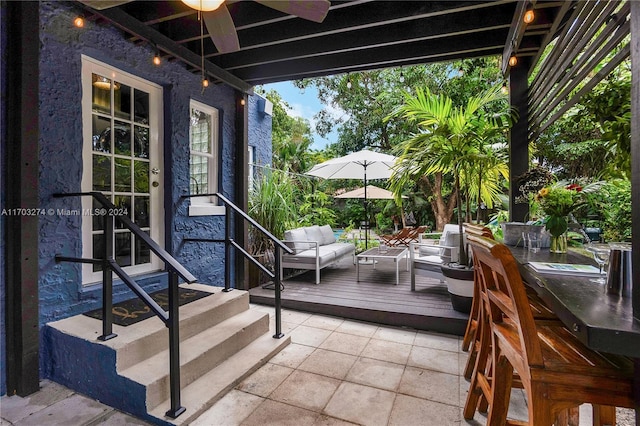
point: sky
(303, 104)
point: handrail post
(107, 280)
(278, 302)
(174, 347)
(227, 248)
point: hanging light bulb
(401, 77)
(79, 21)
(205, 83)
(504, 89)
(203, 5)
(156, 58)
(349, 83)
(513, 61)
(460, 72)
(529, 16)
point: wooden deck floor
(374, 298)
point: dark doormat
(134, 310)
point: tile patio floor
(335, 372)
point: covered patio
(357, 35)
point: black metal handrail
(109, 266)
(230, 243)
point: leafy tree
(451, 140)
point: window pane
(101, 93)
(141, 142)
(122, 138)
(122, 202)
(123, 248)
(122, 101)
(98, 247)
(199, 175)
(143, 252)
(141, 212)
(141, 107)
(101, 173)
(122, 175)
(101, 134)
(200, 131)
(141, 176)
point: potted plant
(457, 140)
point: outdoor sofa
(314, 247)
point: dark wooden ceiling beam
(386, 56)
(361, 17)
(356, 45)
(126, 22)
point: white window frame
(156, 137)
(206, 206)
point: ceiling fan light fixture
(203, 5)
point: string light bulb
(401, 77)
(205, 83)
(529, 16)
(242, 102)
(513, 61)
(460, 72)
(349, 84)
(504, 90)
(156, 58)
(78, 21)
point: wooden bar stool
(556, 371)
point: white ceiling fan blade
(312, 10)
(222, 29)
(103, 4)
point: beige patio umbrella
(373, 192)
(357, 165)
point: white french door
(122, 158)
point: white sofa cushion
(314, 234)
(327, 235)
(296, 239)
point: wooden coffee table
(394, 254)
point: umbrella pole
(366, 211)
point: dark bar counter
(602, 321)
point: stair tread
(206, 390)
(156, 367)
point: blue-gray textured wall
(3, 191)
(61, 293)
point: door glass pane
(97, 219)
(122, 203)
(122, 181)
(101, 173)
(141, 142)
(122, 138)
(101, 93)
(141, 212)
(101, 134)
(123, 248)
(122, 101)
(98, 248)
(141, 107)
(141, 176)
(143, 252)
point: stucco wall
(61, 161)
(3, 191)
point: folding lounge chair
(393, 240)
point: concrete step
(148, 337)
(198, 354)
(200, 395)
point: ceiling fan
(217, 18)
